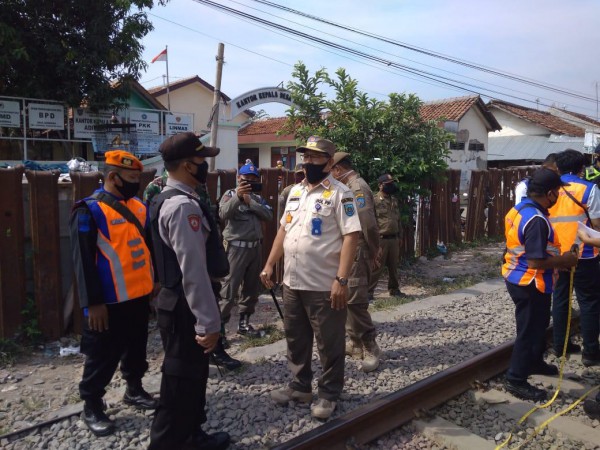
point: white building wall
(467, 160)
(514, 126)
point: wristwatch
(342, 280)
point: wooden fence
(35, 255)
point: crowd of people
(169, 248)
(550, 250)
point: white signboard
(84, 122)
(146, 122)
(43, 116)
(179, 123)
(259, 96)
(10, 114)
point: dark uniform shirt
(387, 213)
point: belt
(246, 244)
(388, 236)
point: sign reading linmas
(179, 123)
(10, 114)
(43, 116)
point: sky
(550, 42)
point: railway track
(415, 403)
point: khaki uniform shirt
(363, 196)
(243, 222)
(183, 228)
(311, 259)
(387, 213)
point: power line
(421, 73)
(431, 53)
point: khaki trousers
(359, 325)
(389, 258)
(308, 314)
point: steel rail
(383, 415)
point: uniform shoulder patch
(360, 199)
(349, 209)
(194, 221)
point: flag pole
(168, 94)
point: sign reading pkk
(259, 96)
(44, 116)
(10, 114)
(178, 123)
(84, 122)
(146, 122)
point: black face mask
(201, 172)
(390, 188)
(128, 190)
(314, 172)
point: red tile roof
(455, 108)
(264, 126)
(542, 118)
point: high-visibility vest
(515, 268)
(123, 259)
(565, 214)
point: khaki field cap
(337, 157)
(317, 144)
(185, 145)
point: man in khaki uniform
(359, 326)
(298, 177)
(319, 235)
(243, 210)
(388, 220)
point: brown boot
(354, 349)
(372, 354)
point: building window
(287, 155)
(457, 145)
(476, 146)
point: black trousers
(532, 313)
(183, 386)
(124, 341)
(587, 287)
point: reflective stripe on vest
(123, 259)
(565, 214)
(515, 268)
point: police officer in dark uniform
(187, 312)
(113, 269)
(243, 210)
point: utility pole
(214, 125)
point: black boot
(95, 418)
(246, 329)
(220, 357)
(136, 396)
(204, 441)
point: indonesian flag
(162, 56)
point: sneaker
(592, 408)
(571, 348)
(525, 391)
(286, 394)
(591, 359)
(354, 349)
(372, 354)
(322, 408)
(544, 369)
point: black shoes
(204, 441)
(525, 391)
(245, 329)
(220, 357)
(136, 396)
(544, 369)
(95, 418)
(571, 348)
(397, 293)
(590, 359)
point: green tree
(72, 50)
(382, 136)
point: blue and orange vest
(565, 214)
(515, 268)
(123, 259)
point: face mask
(128, 190)
(314, 172)
(390, 188)
(201, 171)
